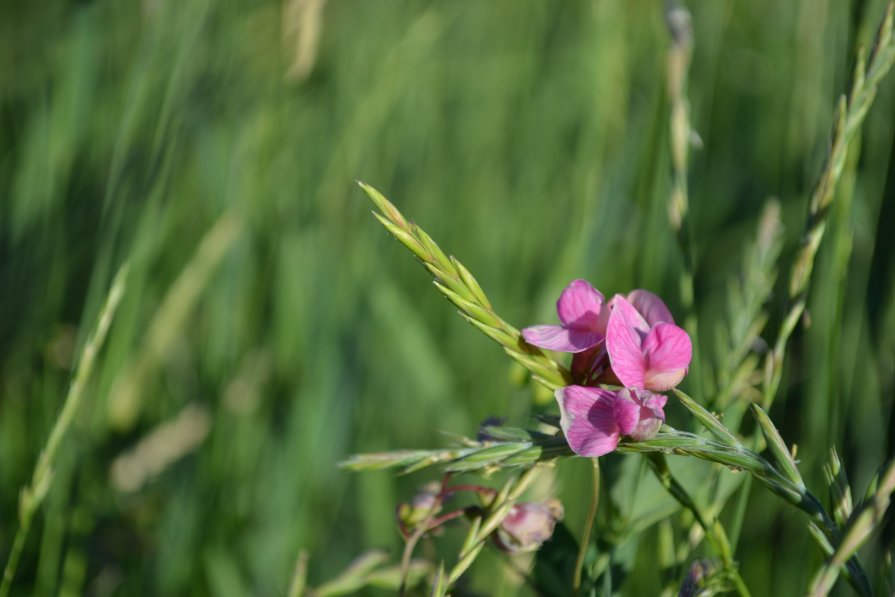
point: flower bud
(528, 525)
(425, 505)
(700, 579)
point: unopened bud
(527, 526)
(424, 506)
(700, 579)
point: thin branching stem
(483, 526)
(421, 529)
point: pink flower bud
(528, 525)
(425, 505)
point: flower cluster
(631, 342)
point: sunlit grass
(531, 141)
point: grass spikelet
(782, 455)
(460, 287)
(708, 420)
(850, 115)
(840, 492)
(866, 518)
(746, 300)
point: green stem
(14, 556)
(588, 526)
(32, 496)
(421, 529)
(680, 27)
(850, 113)
(714, 532)
(483, 526)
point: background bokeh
(272, 328)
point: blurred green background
(271, 327)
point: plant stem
(32, 497)
(456, 283)
(421, 529)
(299, 576)
(483, 526)
(850, 115)
(714, 532)
(588, 525)
(680, 27)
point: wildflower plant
(699, 392)
(627, 354)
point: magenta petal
(588, 420)
(668, 351)
(579, 306)
(629, 314)
(656, 402)
(650, 307)
(627, 413)
(560, 339)
(650, 415)
(623, 343)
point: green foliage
(213, 147)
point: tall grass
(531, 140)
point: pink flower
(527, 526)
(593, 419)
(646, 350)
(580, 309)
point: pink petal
(650, 306)
(579, 306)
(668, 351)
(627, 413)
(560, 339)
(650, 414)
(623, 343)
(588, 420)
(656, 402)
(629, 314)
